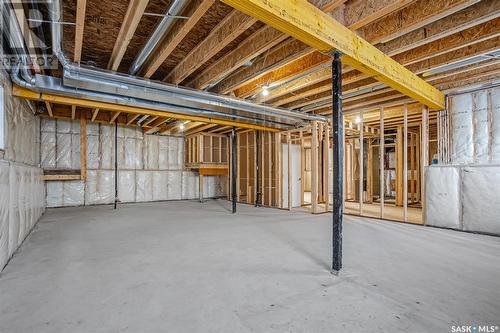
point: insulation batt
(150, 167)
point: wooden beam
(61, 177)
(80, 24)
(88, 103)
(73, 112)
(195, 11)
(258, 43)
(132, 18)
(225, 32)
(309, 24)
(49, 108)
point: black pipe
(338, 167)
(233, 169)
(116, 162)
(257, 169)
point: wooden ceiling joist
(49, 109)
(470, 17)
(412, 17)
(95, 112)
(113, 118)
(363, 14)
(459, 41)
(258, 43)
(196, 10)
(358, 13)
(284, 53)
(200, 128)
(225, 32)
(80, 25)
(132, 18)
(131, 118)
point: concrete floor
(190, 267)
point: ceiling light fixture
(265, 91)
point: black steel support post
(233, 169)
(257, 169)
(338, 163)
(116, 162)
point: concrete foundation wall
(21, 186)
(150, 167)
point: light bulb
(357, 120)
(181, 126)
(265, 92)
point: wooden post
(361, 162)
(83, 146)
(369, 176)
(399, 166)
(314, 167)
(326, 167)
(425, 155)
(200, 187)
(277, 169)
(302, 168)
(412, 168)
(289, 171)
(405, 165)
(382, 163)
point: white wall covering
(22, 193)
(475, 127)
(495, 125)
(464, 198)
(4, 213)
(150, 167)
(442, 203)
(481, 199)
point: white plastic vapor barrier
(150, 167)
(443, 196)
(475, 127)
(22, 191)
(463, 197)
(495, 125)
(481, 199)
(4, 213)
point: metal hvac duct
(161, 30)
(122, 89)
